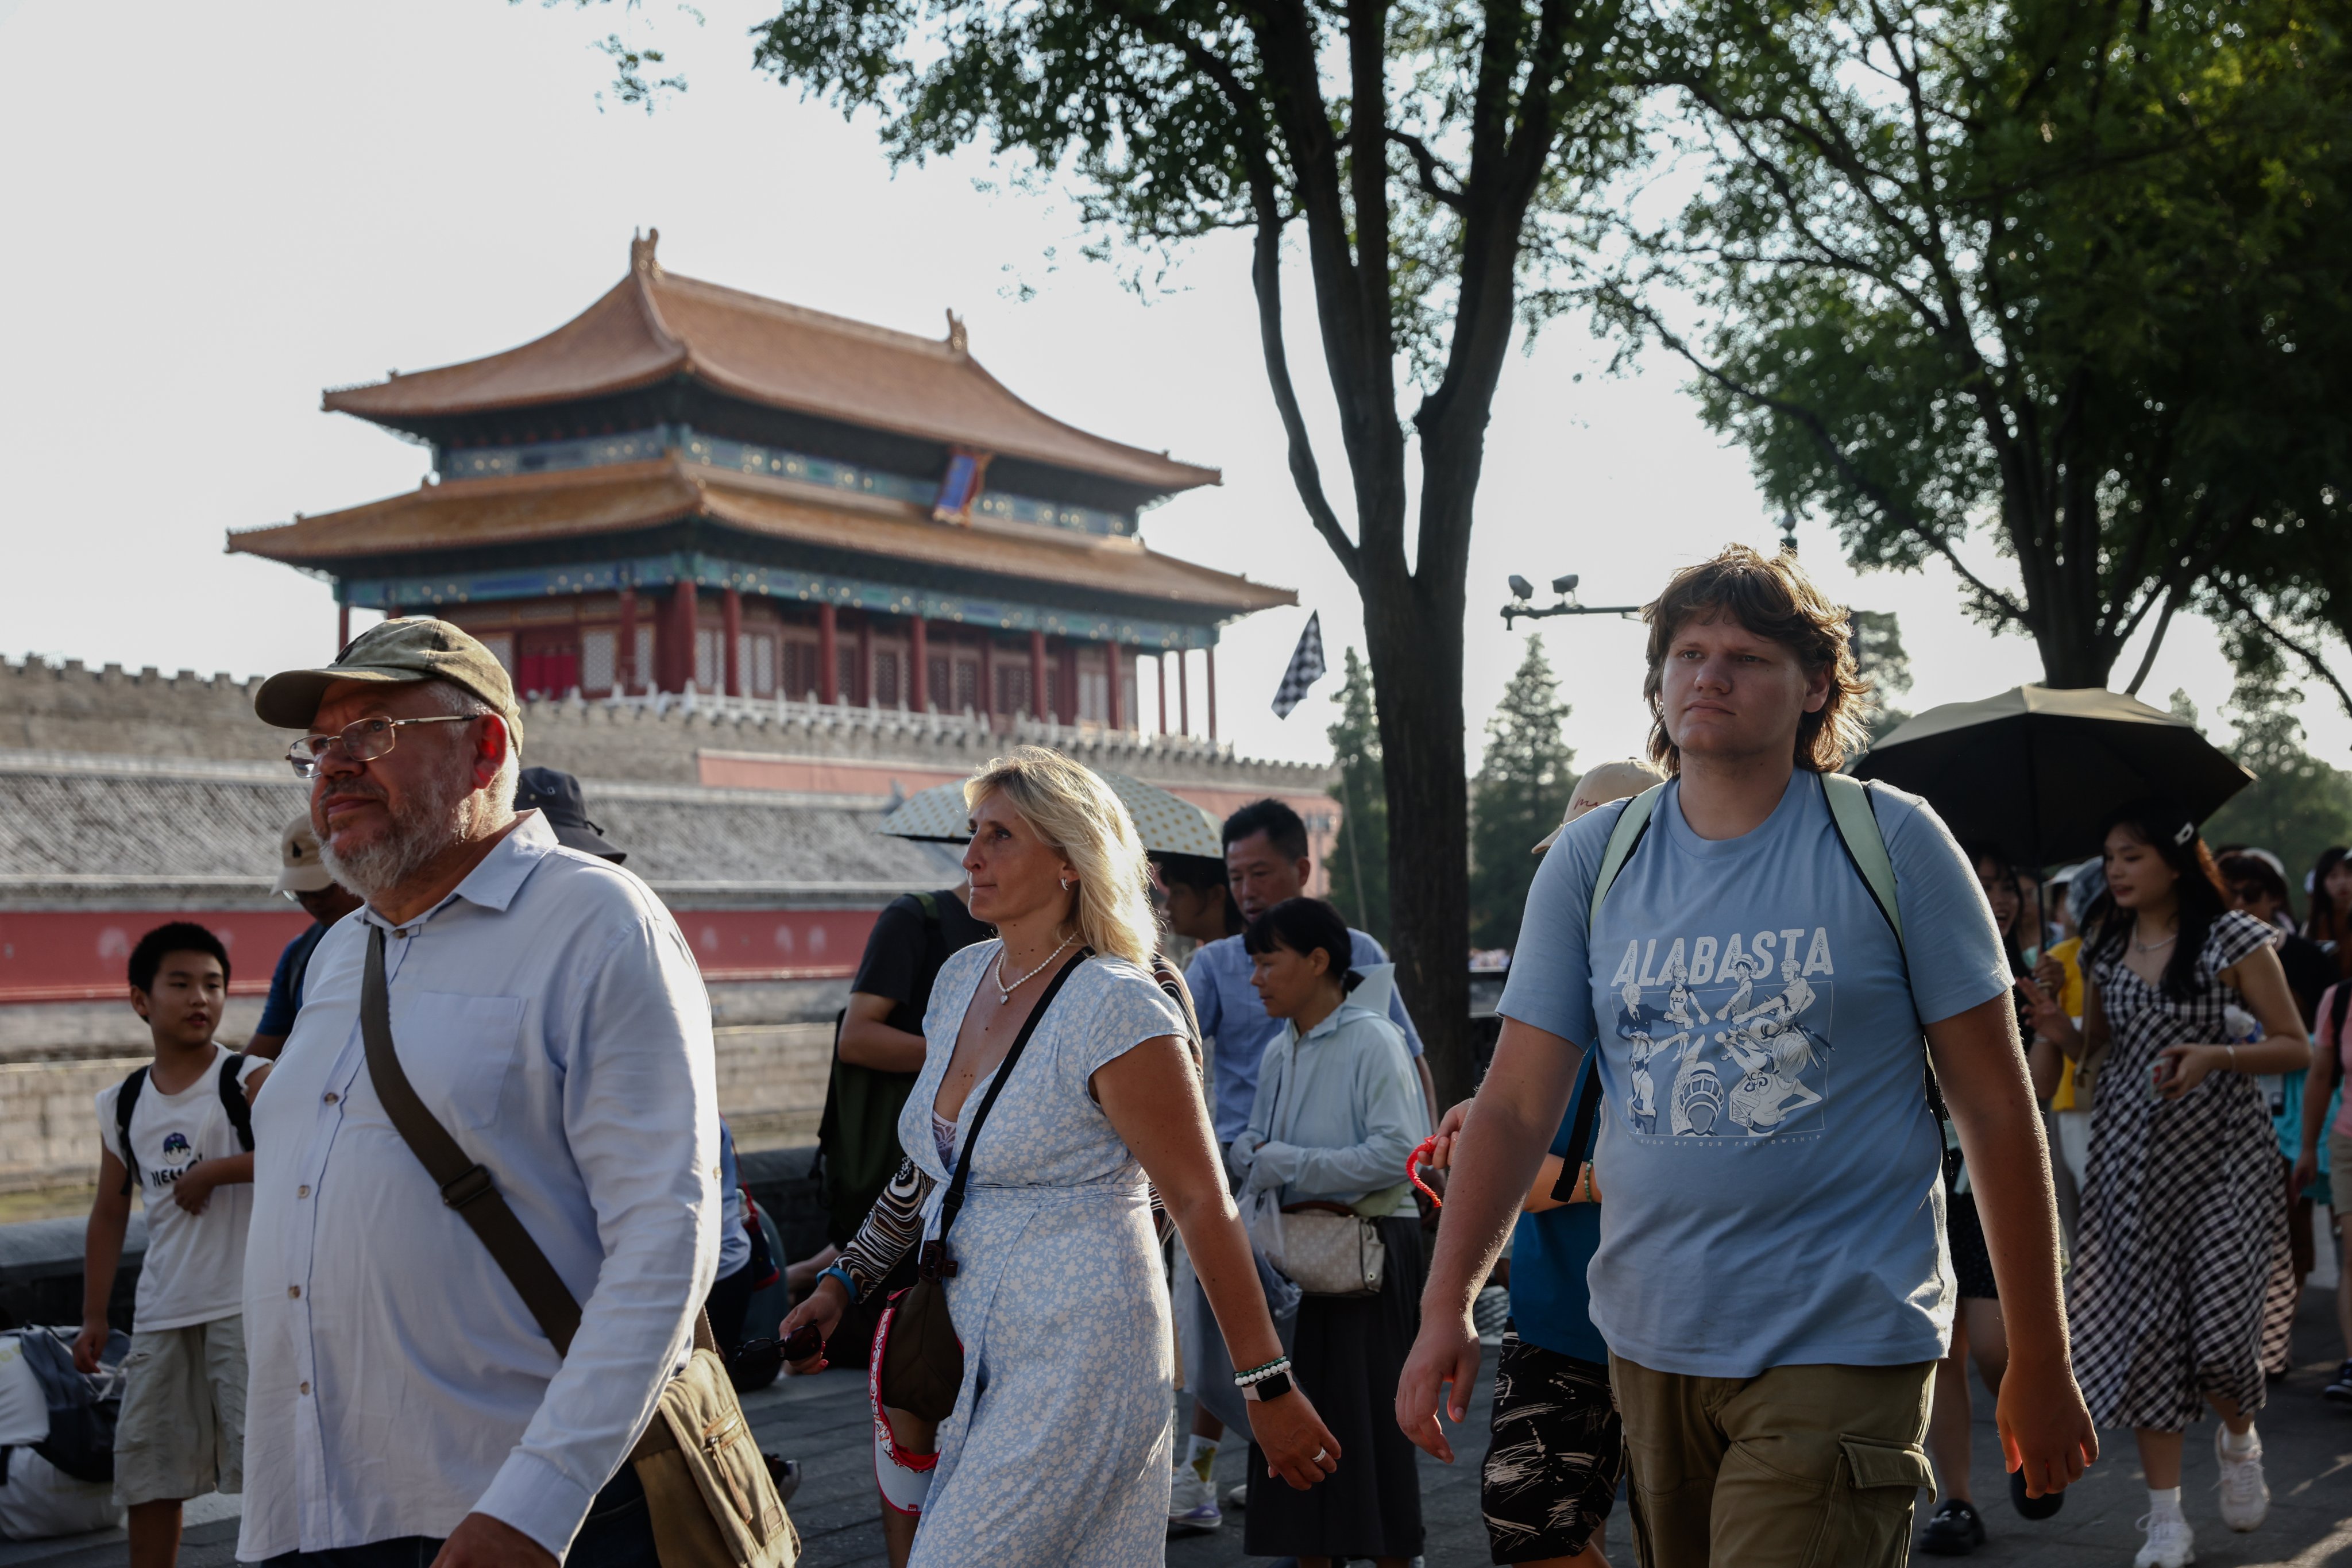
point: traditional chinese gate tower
(687, 486)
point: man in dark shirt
(303, 879)
(880, 1047)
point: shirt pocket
(458, 1052)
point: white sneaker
(1191, 1503)
(1237, 1497)
(2245, 1497)
(2170, 1543)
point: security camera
(1521, 588)
(1564, 584)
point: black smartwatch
(1273, 1386)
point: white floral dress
(1056, 1454)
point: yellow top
(2069, 954)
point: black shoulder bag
(922, 1359)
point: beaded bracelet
(1260, 1373)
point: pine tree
(1522, 788)
(1358, 865)
(2297, 804)
(1879, 658)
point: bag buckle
(935, 1264)
(463, 1189)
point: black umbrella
(2038, 769)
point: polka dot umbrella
(1166, 824)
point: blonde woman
(1057, 1452)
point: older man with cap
(405, 1407)
(303, 877)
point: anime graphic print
(1726, 1037)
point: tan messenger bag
(712, 1502)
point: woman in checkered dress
(2183, 1268)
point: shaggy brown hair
(1773, 598)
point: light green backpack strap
(1631, 823)
(1865, 844)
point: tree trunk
(1412, 630)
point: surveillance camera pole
(1522, 610)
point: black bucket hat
(556, 794)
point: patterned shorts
(1559, 1449)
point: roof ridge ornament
(959, 340)
(641, 252)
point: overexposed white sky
(213, 211)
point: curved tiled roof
(653, 325)
(622, 496)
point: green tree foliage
(2047, 274)
(1358, 863)
(1432, 157)
(2297, 806)
(1520, 793)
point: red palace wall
(79, 954)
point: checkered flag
(1306, 669)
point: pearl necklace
(2152, 946)
(1004, 989)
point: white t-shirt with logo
(194, 1268)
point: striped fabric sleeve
(893, 1229)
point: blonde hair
(1077, 815)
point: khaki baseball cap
(414, 647)
(300, 869)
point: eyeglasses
(362, 743)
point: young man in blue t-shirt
(1771, 1280)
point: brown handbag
(922, 1359)
(707, 1491)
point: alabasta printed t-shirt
(1771, 1166)
(195, 1267)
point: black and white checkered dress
(2183, 1276)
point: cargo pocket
(1870, 1504)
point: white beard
(447, 814)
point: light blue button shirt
(550, 1015)
(1231, 1014)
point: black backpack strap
(1584, 1106)
(126, 1100)
(233, 1101)
(935, 1264)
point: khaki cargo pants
(1805, 1467)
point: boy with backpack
(1772, 1280)
(180, 1130)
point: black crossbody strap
(950, 1205)
(464, 1185)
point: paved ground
(822, 1422)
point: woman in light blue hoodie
(1339, 1110)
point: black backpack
(233, 1101)
(83, 1408)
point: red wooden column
(918, 675)
(987, 708)
(1209, 657)
(1160, 660)
(1036, 675)
(625, 654)
(675, 656)
(828, 655)
(1117, 712)
(1183, 693)
(864, 660)
(342, 629)
(730, 612)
